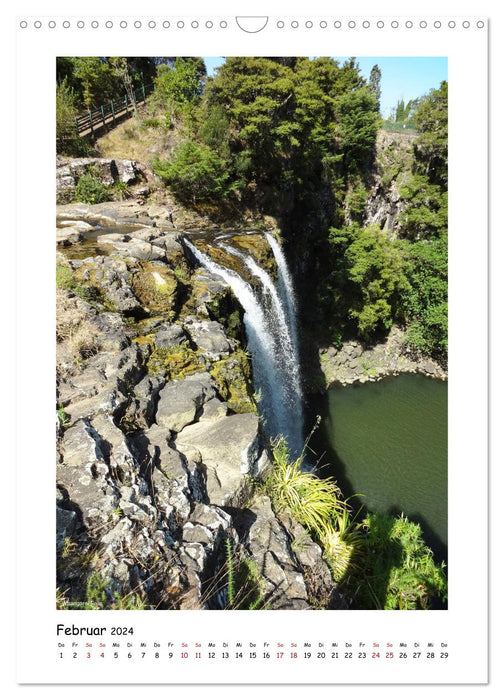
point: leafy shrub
(368, 277)
(397, 569)
(90, 190)
(195, 173)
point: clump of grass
(74, 327)
(120, 190)
(310, 500)
(317, 504)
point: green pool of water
(388, 441)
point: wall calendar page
(259, 240)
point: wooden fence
(108, 114)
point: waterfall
(286, 289)
(274, 360)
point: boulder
(179, 401)
(214, 410)
(142, 250)
(141, 409)
(209, 337)
(127, 171)
(229, 449)
(169, 335)
(269, 545)
(124, 300)
(83, 475)
(79, 445)
(66, 523)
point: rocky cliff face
(159, 443)
(393, 162)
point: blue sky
(402, 77)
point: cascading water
(273, 349)
(286, 290)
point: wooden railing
(109, 113)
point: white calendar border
(466, 68)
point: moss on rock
(176, 362)
(156, 287)
(233, 378)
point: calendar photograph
(252, 333)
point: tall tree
(375, 82)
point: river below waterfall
(387, 440)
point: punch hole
(137, 24)
(252, 25)
(337, 24)
(466, 24)
(166, 24)
(380, 24)
(437, 24)
(51, 24)
(323, 24)
(394, 24)
(352, 24)
(109, 24)
(409, 24)
(95, 24)
(152, 25)
(195, 24)
(223, 24)
(209, 24)
(480, 24)
(23, 24)
(180, 24)
(452, 24)
(123, 24)
(366, 24)
(423, 24)
(37, 24)
(80, 24)
(309, 24)
(66, 24)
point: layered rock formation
(159, 445)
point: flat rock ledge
(354, 362)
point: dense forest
(295, 137)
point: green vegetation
(396, 569)
(381, 562)
(317, 504)
(176, 362)
(234, 382)
(295, 137)
(195, 173)
(425, 223)
(67, 140)
(367, 278)
(90, 190)
(244, 591)
(98, 597)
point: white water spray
(286, 290)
